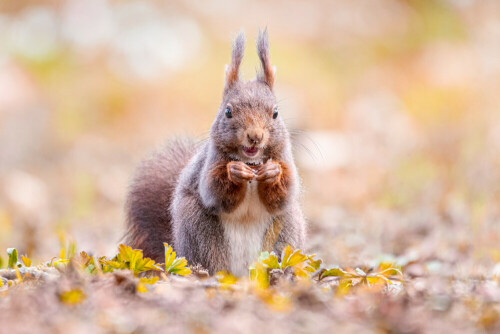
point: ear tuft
(232, 71)
(268, 71)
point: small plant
(132, 259)
(12, 253)
(291, 266)
(385, 274)
(95, 265)
(302, 264)
(174, 265)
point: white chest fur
(244, 230)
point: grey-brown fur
(180, 195)
(149, 220)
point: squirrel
(221, 203)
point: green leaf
(12, 252)
(313, 265)
(335, 272)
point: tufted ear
(268, 71)
(233, 69)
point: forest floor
(394, 119)
(418, 292)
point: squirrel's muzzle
(255, 136)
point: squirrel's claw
(269, 173)
(239, 172)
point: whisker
(297, 137)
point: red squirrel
(221, 203)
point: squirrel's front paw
(269, 172)
(239, 172)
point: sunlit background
(393, 106)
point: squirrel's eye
(228, 113)
(275, 113)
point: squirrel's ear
(268, 71)
(233, 69)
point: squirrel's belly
(244, 231)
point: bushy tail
(150, 195)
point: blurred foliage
(266, 273)
(393, 111)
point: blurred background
(393, 107)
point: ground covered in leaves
(393, 110)
(290, 293)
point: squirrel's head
(248, 126)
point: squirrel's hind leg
(149, 222)
(198, 234)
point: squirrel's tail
(150, 195)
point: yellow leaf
(114, 264)
(133, 259)
(174, 265)
(271, 261)
(226, 279)
(150, 280)
(168, 251)
(26, 261)
(343, 288)
(379, 279)
(141, 288)
(313, 265)
(259, 275)
(300, 270)
(291, 258)
(18, 275)
(279, 303)
(72, 297)
(287, 252)
(60, 263)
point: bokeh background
(393, 106)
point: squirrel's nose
(255, 136)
